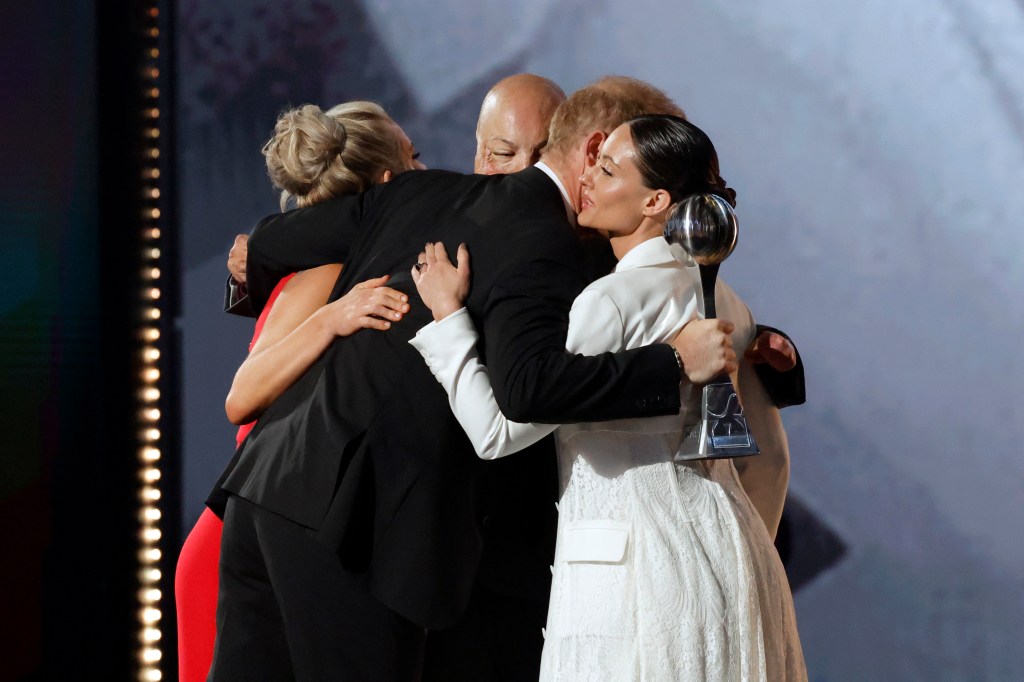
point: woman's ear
(386, 177)
(658, 203)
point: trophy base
(722, 431)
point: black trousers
(287, 610)
(497, 640)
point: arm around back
(787, 387)
(302, 239)
(449, 348)
(525, 325)
(298, 330)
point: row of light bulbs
(150, 633)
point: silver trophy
(705, 226)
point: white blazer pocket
(595, 541)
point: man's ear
(386, 177)
(592, 147)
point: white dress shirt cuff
(445, 344)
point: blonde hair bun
(315, 155)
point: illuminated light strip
(149, 652)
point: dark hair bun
(723, 190)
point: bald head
(513, 124)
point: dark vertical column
(91, 582)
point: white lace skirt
(698, 593)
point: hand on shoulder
(442, 286)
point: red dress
(195, 580)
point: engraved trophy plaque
(705, 226)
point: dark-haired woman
(663, 569)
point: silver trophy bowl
(705, 226)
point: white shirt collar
(569, 212)
(654, 251)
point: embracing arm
(301, 239)
(449, 348)
(778, 364)
(536, 379)
(298, 330)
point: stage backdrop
(878, 153)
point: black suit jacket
(363, 448)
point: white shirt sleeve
(449, 348)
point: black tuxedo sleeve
(236, 299)
(535, 379)
(305, 238)
(784, 388)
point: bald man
(513, 125)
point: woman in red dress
(313, 156)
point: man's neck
(570, 180)
(570, 212)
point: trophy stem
(708, 278)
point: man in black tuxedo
(354, 518)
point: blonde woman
(313, 156)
